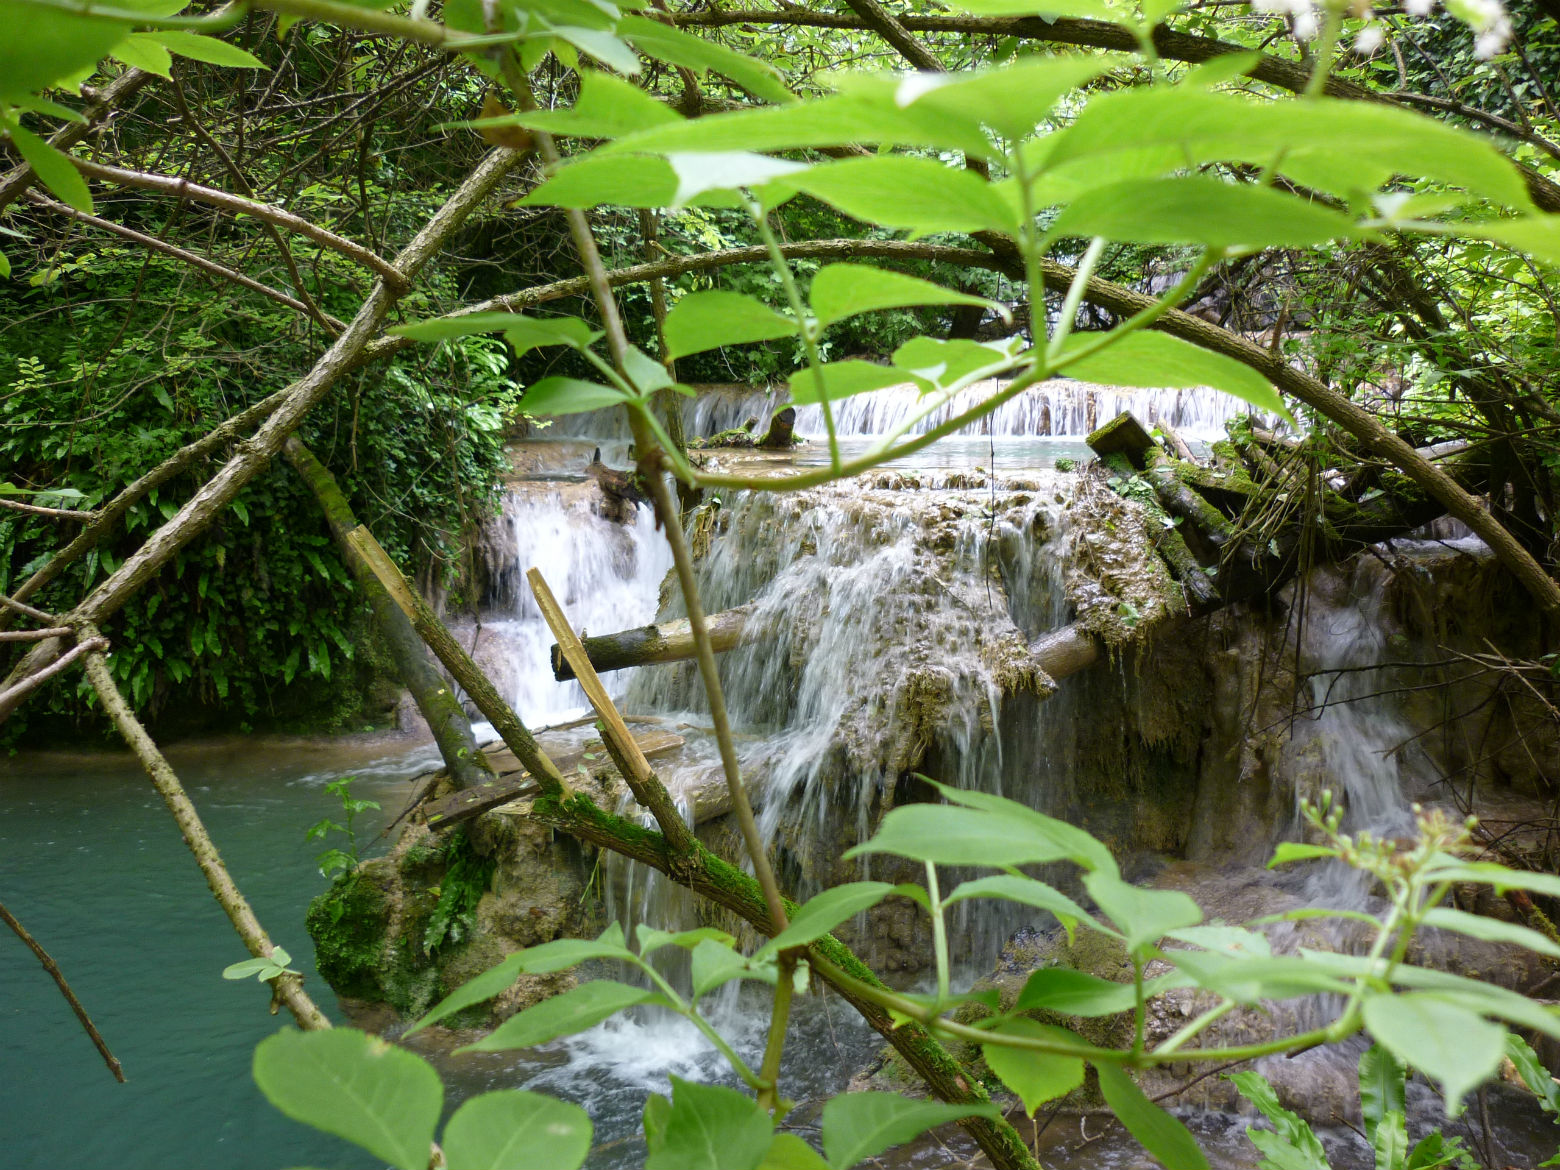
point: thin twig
(28, 683)
(194, 259)
(40, 510)
(183, 189)
(287, 988)
(53, 969)
(34, 635)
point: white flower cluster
(1488, 19)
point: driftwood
(667, 642)
(782, 430)
(513, 782)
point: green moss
(347, 923)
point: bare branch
(286, 989)
(194, 259)
(12, 696)
(39, 510)
(183, 189)
(35, 635)
(58, 976)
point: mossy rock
(347, 923)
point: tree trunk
(433, 695)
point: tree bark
(667, 642)
(451, 729)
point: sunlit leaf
(53, 168)
(842, 379)
(1142, 915)
(823, 912)
(559, 396)
(513, 1129)
(654, 39)
(915, 193)
(858, 1126)
(208, 49)
(145, 51)
(843, 290)
(607, 107)
(1149, 358)
(705, 320)
(1448, 1043)
(564, 1014)
(1157, 1131)
(711, 1128)
(355, 1086)
(1037, 1077)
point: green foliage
(345, 860)
(465, 881)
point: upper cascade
(1058, 408)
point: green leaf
(1382, 1086)
(843, 290)
(53, 168)
(705, 320)
(1348, 148)
(711, 1128)
(1027, 892)
(944, 363)
(1490, 930)
(1502, 877)
(839, 120)
(699, 173)
(1011, 99)
(355, 1086)
(949, 835)
(1075, 844)
(47, 47)
(565, 1014)
(522, 332)
(1234, 941)
(248, 967)
(1435, 1150)
(516, 1130)
(1143, 916)
(1200, 209)
(858, 1126)
(1146, 357)
(651, 940)
(559, 396)
(602, 45)
(789, 1152)
(1291, 851)
(654, 39)
(715, 964)
(608, 107)
(621, 180)
(1537, 235)
(1077, 993)
(145, 51)
(1300, 1148)
(208, 49)
(1443, 1040)
(1250, 980)
(1533, 1073)
(1037, 1077)
(823, 912)
(653, 1120)
(646, 374)
(915, 193)
(1159, 1133)
(494, 981)
(844, 379)
(5, 266)
(1389, 1141)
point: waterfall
(606, 575)
(1056, 408)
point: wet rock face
(398, 931)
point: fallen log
(513, 782)
(667, 642)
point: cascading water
(606, 575)
(1055, 408)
